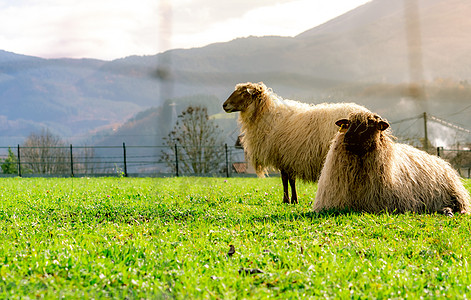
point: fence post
(19, 161)
(71, 162)
(176, 160)
(125, 163)
(438, 151)
(227, 161)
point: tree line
(46, 153)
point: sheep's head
(244, 95)
(361, 132)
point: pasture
(165, 238)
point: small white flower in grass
(102, 276)
(134, 282)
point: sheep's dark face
(241, 98)
(361, 134)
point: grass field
(169, 238)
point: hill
(37, 93)
(399, 60)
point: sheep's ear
(341, 122)
(382, 125)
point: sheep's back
(419, 181)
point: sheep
(286, 135)
(366, 170)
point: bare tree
(198, 143)
(45, 153)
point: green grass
(169, 238)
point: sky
(111, 29)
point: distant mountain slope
(37, 93)
(368, 44)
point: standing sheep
(365, 170)
(287, 135)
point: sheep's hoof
(447, 212)
(294, 201)
(286, 200)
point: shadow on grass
(163, 213)
(326, 214)
(103, 212)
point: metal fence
(149, 161)
(135, 161)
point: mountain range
(399, 58)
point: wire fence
(150, 161)
(135, 161)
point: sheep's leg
(284, 179)
(294, 196)
(292, 182)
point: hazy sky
(109, 29)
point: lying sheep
(365, 170)
(287, 135)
